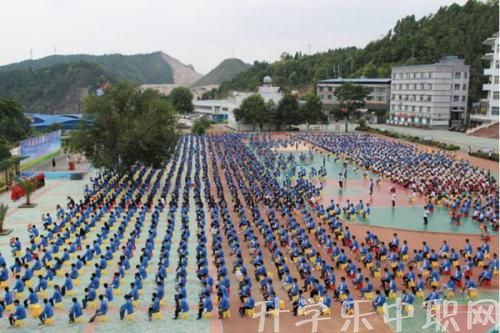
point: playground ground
(405, 219)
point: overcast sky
(198, 32)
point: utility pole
(31, 58)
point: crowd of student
(443, 270)
(290, 247)
(439, 176)
(108, 239)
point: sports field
(237, 217)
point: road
(456, 138)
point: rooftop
(211, 102)
(445, 61)
(491, 40)
(358, 80)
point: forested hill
(57, 84)
(452, 30)
(54, 89)
(139, 68)
(226, 70)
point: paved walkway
(456, 138)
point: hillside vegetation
(225, 71)
(140, 68)
(54, 89)
(452, 30)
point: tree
(127, 126)
(14, 126)
(3, 214)
(4, 152)
(351, 97)
(182, 99)
(287, 112)
(452, 30)
(211, 94)
(28, 187)
(253, 111)
(370, 70)
(200, 126)
(312, 112)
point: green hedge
(480, 154)
(415, 139)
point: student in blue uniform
(127, 308)
(19, 314)
(155, 306)
(102, 310)
(47, 313)
(247, 305)
(75, 311)
(379, 299)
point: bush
(481, 154)
(200, 125)
(415, 139)
(362, 123)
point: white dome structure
(267, 80)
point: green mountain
(140, 68)
(57, 84)
(452, 30)
(54, 89)
(225, 71)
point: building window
(456, 98)
(429, 86)
(329, 96)
(494, 110)
(458, 75)
(429, 109)
(495, 79)
(320, 88)
(429, 98)
(464, 87)
(465, 75)
(329, 88)
(496, 94)
(463, 98)
(457, 86)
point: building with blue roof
(67, 121)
